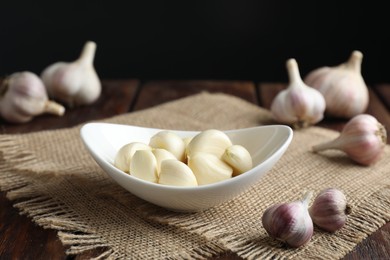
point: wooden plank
(21, 239)
(376, 246)
(156, 92)
(116, 98)
(268, 91)
(383, 92)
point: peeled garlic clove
(330, 209)
(169, 141)
(125, 154)
(208, 168)
(210, 141)
(298, 105)
(176, 173)
(161, 155)
(239, 158)
(74, 83)
(143, 165)
(363, 139)
(23, 96)
(289, 222)
(343, 87)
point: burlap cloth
(51, 178)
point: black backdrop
(196, 39)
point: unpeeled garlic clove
(343, 87)
(208, 168)
(176, 173)
(330, 209)
(363, 139)
(290, 222)
(169, 141)
(210, 141)
(239, 158)
(23, 96)
(298, 105)
(125, 154)
(143, 165)
(74, 83)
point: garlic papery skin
(343, 87)
(23, 96)
(298, 105)
(239, 158)
(74, 83)
(210, 141)
(125, 154)
(208, 168)
(161, 155)
(169, 141)
(143, 165)
(176, 173)
(289, 222)
(330, 209)
(363, 139)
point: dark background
(196, 39)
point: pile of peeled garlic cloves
(208, 157)
(25, 95)
(339, 91)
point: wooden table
(20, 238)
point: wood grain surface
(20, 238)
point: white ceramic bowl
(266, 144)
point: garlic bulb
(177, 173)
(143, 165)
(298, 105)
(210, 141)
(126, 153)
(330, 209)
(239, 158)
(169, 141)
(342, 86)
(74, 83)
(23, 96)
(289, 222)
(208, 168)
(363, 139)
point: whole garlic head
(23, 96)
(343, 87)
(74, 83)
(363, 139)
(290, 222)
(298, 105)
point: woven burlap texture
(56, 182)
